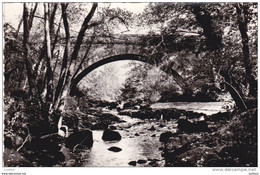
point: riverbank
(231, 142)
(152, 137)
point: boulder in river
(112, 127)
(141, 161)
(164, 137)
(186, 125)
(133, 163)
(161, 125)
(114, 149)
(152, 128)
(47, 159)
(109, 135)
(83, 137)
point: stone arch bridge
(124, 47)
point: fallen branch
(48, 135)
(26, 139)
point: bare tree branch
(32, 13)
(56, 37)
(18, 28)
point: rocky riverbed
(150, 137)
(140, 141)
(231, 141)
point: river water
(137, 143)
(207, 108)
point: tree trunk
(242, 15)
(64, 69)
(236, 96)
(48, 53)
(63, 88)
(28, 61)
(204, 19)
(81, 34)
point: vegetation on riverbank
(231, 142)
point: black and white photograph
(130, 84)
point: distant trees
(208, 43)
(147, 83)
(102, 84)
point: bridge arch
(166, 68)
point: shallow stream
(138, 143)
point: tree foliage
(43, 58)
(207, 43)
(146, 83)
(102, 84)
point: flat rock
(141, 161)
(114, 149)
(133, 163)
